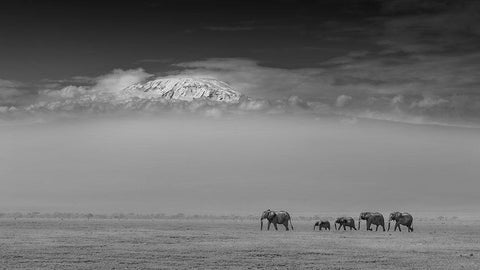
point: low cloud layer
(344, 90)
(433, 89)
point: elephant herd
(371, 218)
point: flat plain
(231, 244)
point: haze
(198, 165)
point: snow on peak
(184, 88)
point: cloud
(5, 109)
(155, 60)
(342, 100)
(397, 100)
(109, 83)
(430, 27)
(253, 79)
(13, 93)
(70, 91)
(431, 88)
(229, 28)
(255, 105)
(429, 102)
(119, 79)
(380, 84)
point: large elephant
(276, 217)
(372, 218)
(325, 224)
(345, 222)
(404, 219)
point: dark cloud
(14, 93)
(229, 28)
(409, 7)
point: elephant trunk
(358, 223)
(388, 229)
(261, 224)
(336, 226)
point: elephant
(404, 219)
(325, 224)
(374, 218)
(345, 222)
(276, 217)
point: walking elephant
(404, 219)
(345, 222)
(372, 218)
(325, 224)
(276, 217)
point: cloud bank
(349, 90)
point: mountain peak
(184, 88)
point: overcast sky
(353, 104)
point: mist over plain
(243, 165)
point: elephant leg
(268, 227)
(275, 225)
(376, 229)
(344, 227)
(383, 226)
(286, 226)
(399, 229)
(354, 227)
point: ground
(213, 244)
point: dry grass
(167, 244)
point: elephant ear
(271, 215)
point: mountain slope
(184, 88)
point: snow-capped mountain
(184, 88)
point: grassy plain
(213, 244)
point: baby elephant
(325, 224)
(345, 222)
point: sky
(353, 104)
